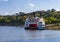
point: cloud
(31, 4)
(5, 13)
(4, 0)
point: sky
(9, 7)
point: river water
(19, 34)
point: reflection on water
(18, 34)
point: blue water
(18, 34)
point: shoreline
(48, 26)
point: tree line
(50, 17)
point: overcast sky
(13, 6)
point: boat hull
(34, 28)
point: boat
(35, 24)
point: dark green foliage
(50, 16)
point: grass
(54, 27)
